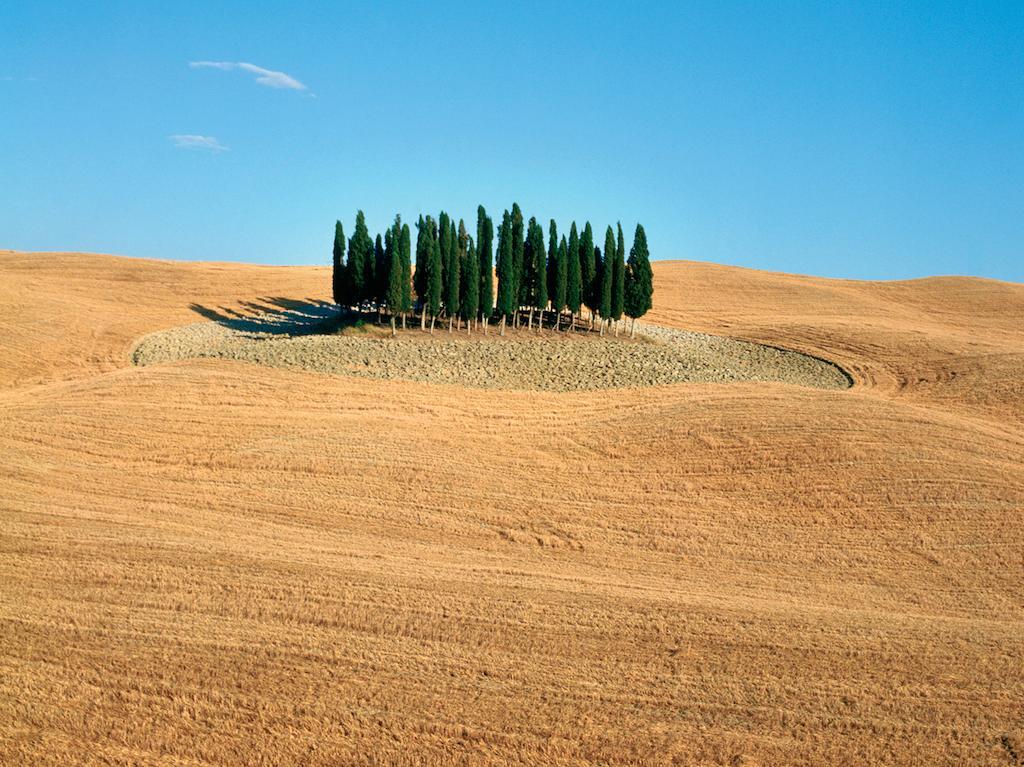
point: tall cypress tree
(485, 250)
(506, 278)
(422, 258)
(607, 277)
(406, 268)
(552, 259)
(339, 287)
(561, 284)
(588, 269)
(395, 272)
(360, 261)
(574, 278)
(380, 270)
(639, 286)
(484, 238)
(538, 270)
(618, 278)
(518, 247)
(445, 245)
(434, 277)
(470, 299)
(453, 278)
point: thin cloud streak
(192, 141)
(267, 77)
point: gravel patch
(524, 361)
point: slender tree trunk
(432, 319)
(617, 328)
(485, 324)
(502, 331)
(394, 330)
(449, 323)
(540, 322)
(403, 320)
(469, 327)
(423, 318)
(600, 332)
(558, 321)
(632, 328)
(529, 324)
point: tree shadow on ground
(278, 316)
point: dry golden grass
(218, 563)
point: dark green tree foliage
(434, 272)
(537, 267)
(470, 300)
(446, 245)
(506, 277)
(552, 259)
(338, 281)
(381, 256)
(360, 261)
(518, 247)
(453, 278)
(618, 276)
(574, 278)
(405, 265)
(588, 267)
(395, 272)
(422, 260)
(484, 238)
(639, 277)
(607, 275)
(463, 238)
(561, 284)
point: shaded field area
(208, 562)
(297, 338)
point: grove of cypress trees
(607, 277)
(561, 282)
(518, 247)
(395, 272)
(588, 270)
(506, 278)
(574, 279)
(484, 238)
(639, 284)
(360, 261)
(338, 281)
(618, 279)
(405, 265)
(434, 276)
(537, 271)
(470, 299)
(452, 278)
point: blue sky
(842, 139)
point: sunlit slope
(218, 563)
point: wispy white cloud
(267, 77)
(189, 141)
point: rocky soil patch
(545, 361)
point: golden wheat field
(211, 562)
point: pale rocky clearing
(208, 561)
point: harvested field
(204, 562)
(527, 360)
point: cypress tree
(405, 252)
(574, 279)
(434, 277)
(607, 277)
(538, 271)
(518, 247)
(484, 237)
(422, 257)
(360, 261)
(445, 245)
(506, 279)
(588, 270)
(452, 279)
(558, 293)
(395, 272)
(618, 279)
(380, 270)
(639, 287)
(552, 258)
(470, 301)
(339, 287)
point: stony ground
(544, 361)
